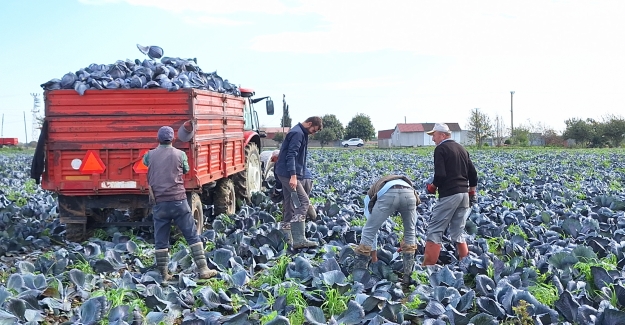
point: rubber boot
(362, 257)
(463, 250)
(408, 259)
(407, 255)
(285, 228)
(430, 256)
(162, 263)
(197, 250)
(298, 231)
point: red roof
(410, 127)
(271, 131)
(424, 127)
(385, 134)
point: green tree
(278, 137)
(614, 130)
(332, 130)
(480, 127)
(521, 135)
(286, 121)
(597, 129)
(326, 136)
(578, 130)
(360, 127)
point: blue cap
(165, 133)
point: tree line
(359, 126)
(588, 133)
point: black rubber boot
(197, 250)
(408, 259)
(298, 231)
(162, 263)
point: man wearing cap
(166, 165)
(290, 169)
(455, 179)
(389, 194)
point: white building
(414, 134)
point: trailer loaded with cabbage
(91, 150)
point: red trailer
(8, 142)
(93, 147)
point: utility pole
(25, 130)
(2, 132)
(35, 111)
(511, 114)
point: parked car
(353, 142)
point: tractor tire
(197, 211)
(224, 197)
(249, 180)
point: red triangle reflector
(92, 164)
(139, 167)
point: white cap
(440, 127)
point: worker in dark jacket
(389, 194)
(166, 165)
(290, 169)
(455, 179)
(307, 183)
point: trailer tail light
(139, 167)
(92, 164)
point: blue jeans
(180, 213)
(402, 200)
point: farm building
(271, 132)
(414, 135)
(384, 138)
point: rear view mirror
(269, 106)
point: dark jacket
(166, 165)
(293, 152)
(453, 169)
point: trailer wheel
(224, 199)
(75, 232)
(197, 211)
(249, 180)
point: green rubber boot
(298, 231)
(162, 264)
(197, 250)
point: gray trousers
(449, 212)
(402, 200)
(290, 213)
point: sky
(395, 61)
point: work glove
(472, 197)
(431, 188)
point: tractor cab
(250, 114)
